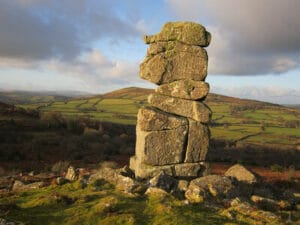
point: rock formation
(172, 132)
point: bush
(74, 126)
(54, 119)
(60, 166)
(276, 168)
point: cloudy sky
(96, 45)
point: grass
(101, 203)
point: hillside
(26, 97)
(235, 120)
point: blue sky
(96, 46)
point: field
(234, 120)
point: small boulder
(20, 186)
(210, 186)
(127, 172)
(72, 174)
(164, 181)
(61, 180)
(183, 185)
(239, 208)
(5, 222)
(270, 204)
(242, 174)
(154, 191)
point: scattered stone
(127, 172)
(106, 137)
(164, 181)
(254, 215)
(5, 222)
(243, 174)
(183, 185)
(212, 185)
(123, 136)
(72, 174)
(186, 89)
(114, 176)
(270, 204)
(20, 186)
(182, 107)
(188, 170)
(125, 184)
(31, 174)
(186, 32)
(154, 191)
(61, 180)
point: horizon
(96, 46)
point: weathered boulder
(270, 204)
(186, 32)
(61, 181)
(175, 62)
(72, 174)
(243, 174)
(183, 185)
(164, 181)
(186, 89)
(5, 222)
(187, 108)
(151, 119)
(190, 170)
(198, 142)
(156, 192)
(161, 147)
(255, 216)
(20, 186)
(209, 186)
(114, 176)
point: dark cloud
(39, 30)
(249, 37)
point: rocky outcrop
(172, 132)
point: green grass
(73, 204)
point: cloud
(273, 94)
(248, 37)
(39, 30)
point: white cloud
(249, 37)
(273, 94)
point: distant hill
(25, 97)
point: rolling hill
(240, 129)
(237, 120)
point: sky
(96, 46)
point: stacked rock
(172, 133)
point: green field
(233, 119)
